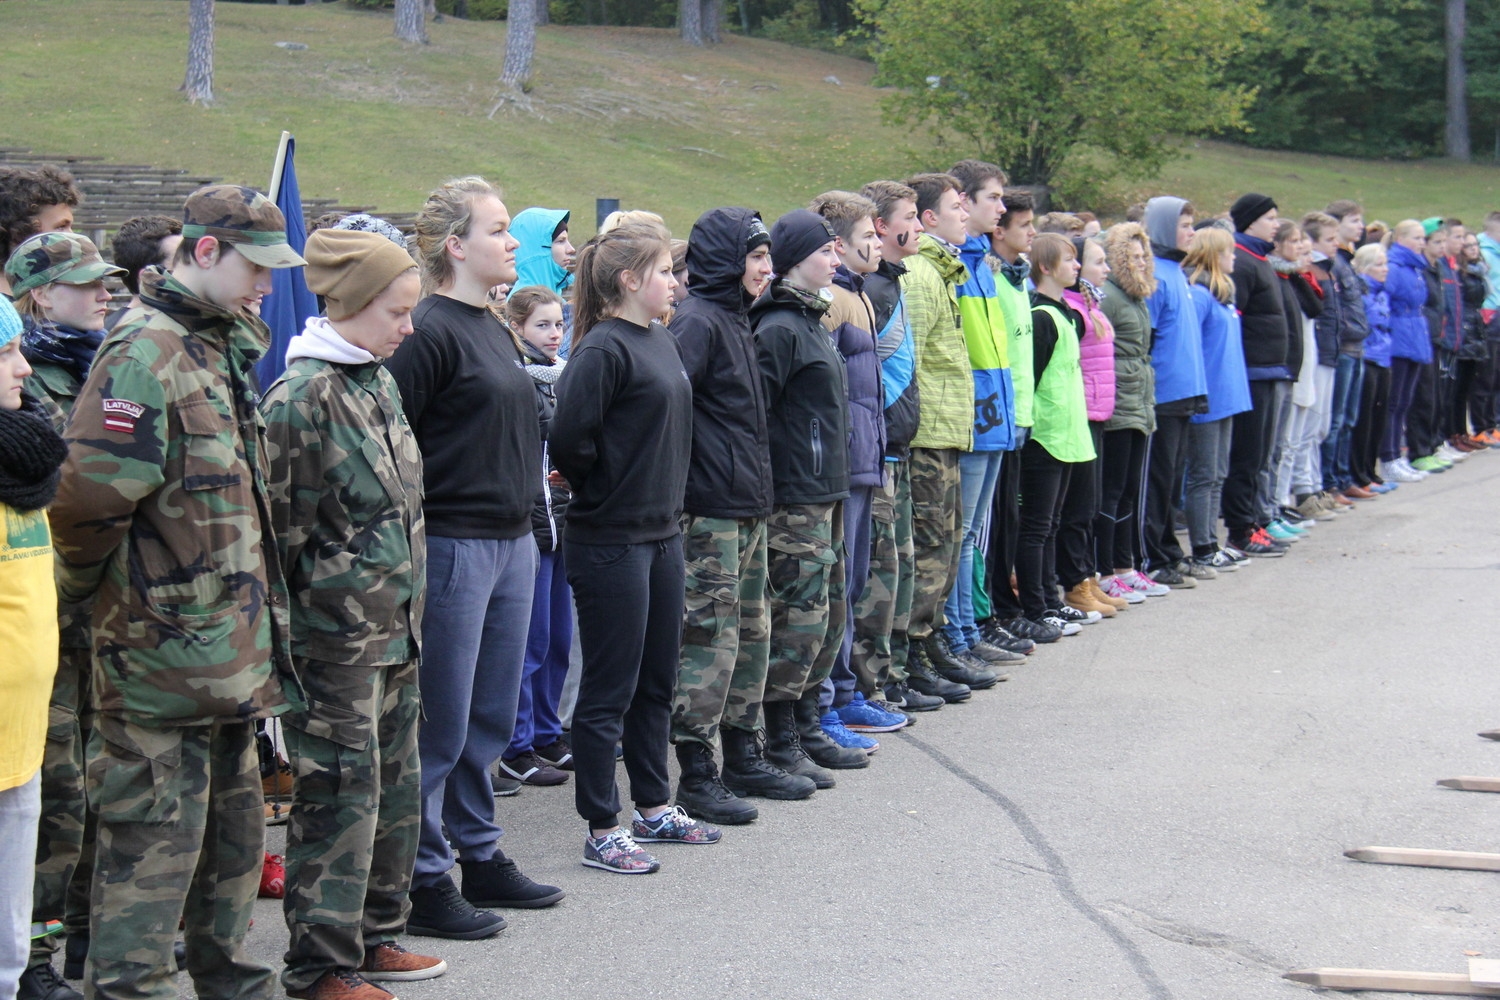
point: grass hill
(615, 112)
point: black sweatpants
(1075, 531)
(1482, 398)
(629, 600)
(1249, 451)
(1122, 479)
(1044, 482)
(1374, 394)
(1423, 420)
(1005, 524)
(1165, 468)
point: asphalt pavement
(1155, 808)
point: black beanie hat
(756, 234)
(1248, 208)
(796, 236)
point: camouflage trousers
(805, 585)
(726, 637)
(60, 889)
(936, 513)
(182, 837)
(356, 814)
(881, 616)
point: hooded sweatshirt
(534, 228)
(1406, 288)
(729, 474)
(1177, 340)
(985, 334)
(944, 377)
(850, 319)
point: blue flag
(290, 303)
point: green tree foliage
(1033, 86)
(1365, 77)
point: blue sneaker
(1283, 532)
(862, 717)
(835, 730)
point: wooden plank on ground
(1422, 858)
(1485, 972)
(1391, 981)
(1469, 783)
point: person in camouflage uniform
(163, 519)
(726, 621)
(807, 416)
(58, 282)
(346, 503)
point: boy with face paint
(879, 653)
(721, 679)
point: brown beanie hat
(349, 268)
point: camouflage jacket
(346, 503)
(164, 517)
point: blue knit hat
(10, 322)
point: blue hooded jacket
(1176, 336)
(1406, 288)
(988, 342)
(1378, 312)
(534, 264)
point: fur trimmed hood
(1138, 285)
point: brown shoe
(277, 813)
(1118, 603)
(1359, 493)
(390, 962)
(1081, 598)
(341, 984)
(278, 784)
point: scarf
(1016, 273)
(1254, 244)
(44, 340)
(546, 374)
(31, 453)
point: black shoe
(702, 793)
(498, 882)
(809, 720)
(924, 680)
(558, 753)
(504, 786)
(995, 634)
(908, 700)
(748, 772)
(1170, 576)
(956, 667)
(784, 745)
(440, 910)
(1039, 632)
(41, 982)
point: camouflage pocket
(131, 770)
(799, 570)
(340, 702)
(208, 460)
(931, 525)
(883, 504)
(176, 631)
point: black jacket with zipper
(807, 398)
(552, 501)
(729, 474)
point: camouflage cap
(243, 217)
(70, 258)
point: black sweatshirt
(623, 433)
(473, 410)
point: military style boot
(702, 794)
(784, 745)
(815, 742)
(748, 772)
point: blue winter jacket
(1378, 313)
(1177, 338)
(1223, 357)
(1406, 289)
(988, 343)
(533, 228)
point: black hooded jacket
(1263, 327)
(729, 474)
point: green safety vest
(1060, 418)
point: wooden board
(1485, 972)
(1422, 858)
(1469, 783)
(1390, 981)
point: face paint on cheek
(902, 238)
(864, 255)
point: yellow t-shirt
(28, 642)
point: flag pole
(278, 165)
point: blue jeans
(978, 472)
(1347, 378)
(548, 643)
(473, 649)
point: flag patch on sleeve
(121, 414)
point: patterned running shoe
(617, 852)
(673, 826)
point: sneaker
(1239, 556)
(558, 753)
(1198, 569)
(529, 769)
(1265, 539)
(617, 852)
(1025, 628)
(1255, 547)
(1143, 584)
(1171, 578)
(834, 728)
(673, 826)
(1452, 454)
(1429, 464)
(1293, 516)
(389, 962)
(440, 910)
(908, 700)
(498, 881)
(1382, 488)
(1076, 616)
(993, 633)
(862, 716)
(1117, 588)
(341, 984)
(504, 785)
(1411, 469)
(272, 877)
(891, 709)
(1218, 560)
(1056, 621)
(1396, 471)
(42, 982)
(1281, 532)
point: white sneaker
(1452, 454)
(1416, 475)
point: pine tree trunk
(543, 14)
(198, 82)
(520, 42)
(713, 16)
(745, 17)
(411, 22)
(690, 21)
(1456, 134)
